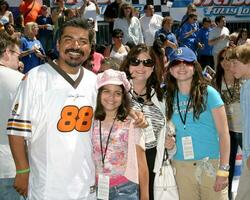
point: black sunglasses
(178, 62)
(146, 63)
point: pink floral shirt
(115, 163)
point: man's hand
(21, 184)
(194, 30)
(39, 54)
(200, 45)
(223, 37)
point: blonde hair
(191, 8)
(241, 53)
(29, 26)
(166, 19)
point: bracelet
(222, 173)
(23, 171)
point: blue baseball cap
(183, 53)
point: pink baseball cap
(113, 77)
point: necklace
(141, 101)
(140, 95)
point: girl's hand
(220, 183)
(169, 142)
(140, 120)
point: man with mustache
(52, 118)
(52, 114)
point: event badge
(187, 145)
(149, 132)
(103, 187)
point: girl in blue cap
(202, 135)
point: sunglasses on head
(178, 62)
(146, 63)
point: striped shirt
(152, 112)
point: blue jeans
(126, 191)
(7, 192)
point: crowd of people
(83, 122)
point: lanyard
(186, 111)
(228, 90)
(107, 142)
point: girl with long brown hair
(202, 138)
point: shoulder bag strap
(28, 11)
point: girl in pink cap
(118, 147)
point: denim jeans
(7, 192)
(126, 191)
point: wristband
(222, 173)
(23, 171)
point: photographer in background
(165, 35)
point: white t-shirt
(149, 26)
(56, 120)
(119, 57)
(90, 12)
(221, 44)
(9, 81)
(131, 31)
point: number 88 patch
(76, 118)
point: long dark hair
(243, 30)
(122, 111)
(155, 78)
(217, 82)
(6, 4)
(121, 13)
(198, 92)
